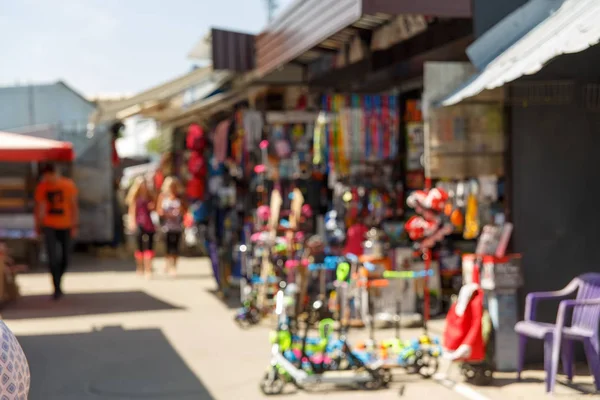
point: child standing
(141, 205)
(171, 208)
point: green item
(284, 338)
(342, 272)
(398, 274)
(323, 325)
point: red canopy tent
(21, 148)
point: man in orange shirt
(57, 218)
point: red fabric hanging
(195, 189)
(195, 139)
(197, 165)
(116, 160)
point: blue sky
(112, 46)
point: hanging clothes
(253, 125)
(221, 140)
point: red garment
(115, 155)
(466, 329)
(197, 165)
(355, 237)
(159, 178)
(195, 189)
(195, 139)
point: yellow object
(471, 218)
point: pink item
(259, 169)
(355, 237)
(139, 255)
(318, 359)
(264, 144)
(220, 140)
(255, 237)
(148, 254)
(292, 264)
(299, 237)
(307, 211)
(263, 213)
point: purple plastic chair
(558, 338)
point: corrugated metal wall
(93, 175)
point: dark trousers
(57, 247)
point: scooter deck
(341, 377)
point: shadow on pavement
(582, 381)
(231, 300)
(110, 363)
(74, 304)
(184, 277)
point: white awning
(572, 28)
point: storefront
(19, 159)
(550, 124)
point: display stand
(500, 278)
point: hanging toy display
(351, 123)
(431, 225)
(472, 214)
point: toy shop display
(415, 145)
(355, 128)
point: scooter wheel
(427, 365)
(272, 383)
(386, 376)
(242, 322)
(479, 375)
(377, 383)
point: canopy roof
(569, 29)
(22, 148)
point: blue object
(270, 279)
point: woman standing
(141, 205)
(171, 209)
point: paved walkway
(116, 336)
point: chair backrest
(589, 288)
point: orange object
(56, 199)
(386, 262)
(373, 283)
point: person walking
(57, 219)
(172, 208)
(140, 204)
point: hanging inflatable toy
(263, 214)
(418, 228)
(307, 211)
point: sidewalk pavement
(118, 336)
